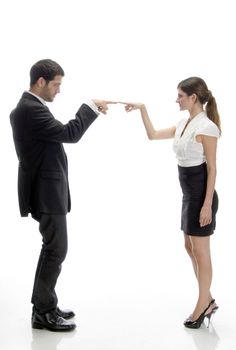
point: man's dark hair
(46, 69)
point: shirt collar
(38, 97)
(199, 115)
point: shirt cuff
(92, 105)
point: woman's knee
(200, 253)
(188, 246)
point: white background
(127, 274)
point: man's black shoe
(66, 314)
(52, 322)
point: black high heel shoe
(197, 323)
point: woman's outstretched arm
(152, 133)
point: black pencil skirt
(193, 181)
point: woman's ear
(194, 98)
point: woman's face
(185, 102)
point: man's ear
(41, 82)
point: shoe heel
(209, 320)
(36, 325)
(210, 316)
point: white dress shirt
(188, 151)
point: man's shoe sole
(36, 325)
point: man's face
(50, 89)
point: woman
(195, 144)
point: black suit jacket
(43, 173)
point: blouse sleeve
(208, 129)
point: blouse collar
(198, 116)
(192, 123)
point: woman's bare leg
(198, 249)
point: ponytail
(212, 111)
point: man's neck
(32, 92)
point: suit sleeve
(46, 128)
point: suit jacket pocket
(54, 175)
(52, 192)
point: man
(43, 188)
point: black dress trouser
(53, 229)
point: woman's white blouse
(188, 151)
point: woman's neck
(195, 111)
